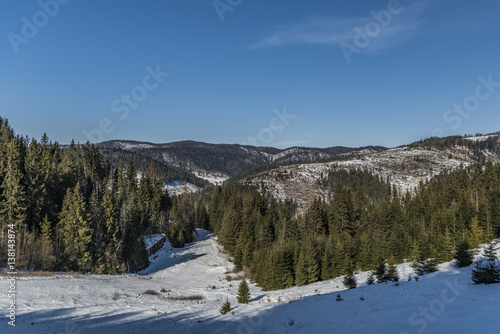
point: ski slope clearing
(442, 302)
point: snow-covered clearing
(215, 179)
(443, 302)
(179, 187)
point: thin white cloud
(334, 31)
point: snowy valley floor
(443, 302)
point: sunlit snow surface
(443, 302)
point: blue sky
(346, 73)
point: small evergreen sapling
(371, 279)
(226, 307)
(486, 272)
(381, 273)
(425, 267)
(243, 293)
(350, 280)
(490, 252)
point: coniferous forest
(73, 210)
(356, 230)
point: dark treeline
(478, 147)
(73, 211)
(359, 228)
(166, 173)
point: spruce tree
(301, 275)
(243, 293)
(426, 266)
(13, 205)
(392, 270)
(350, 281)
(381, 273)
(486, 272)
(371, 278)
(490, 252)
(475, 234)
(327, 265)
(464, 255)
(312, 264)
(47, 246)
(75, 229)
(447, 247)
(226, 307)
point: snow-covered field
(443, 302)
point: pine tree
(47, 246)
(415, 252)
(243, 293)
(381, 273)
(464, 255)
(371, 279)
(486, 272)
(447, 247)
(226, 307)
(475, 234)
(111, 219)
(490, 252)
(426, 266)
(392, 270)
(75, 230)
(283, 268)
(327, 271)
(301, 276)
(312, 264)
(350, 281)
(13, 206)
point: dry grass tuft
(190, 298)
(150, 292)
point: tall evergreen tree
(75, 230)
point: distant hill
(404, 167)
(222, 161)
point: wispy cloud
(402, 27)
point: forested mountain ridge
(230, 160)
(169, 174)
(404, 167)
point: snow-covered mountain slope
(218, 162)
(405, 167)
(442, 302)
